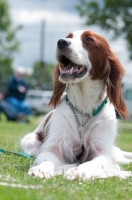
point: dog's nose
(62, 43)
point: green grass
(13, 171)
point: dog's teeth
(71, 70)
(80, 69)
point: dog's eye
(89, 39)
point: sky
(60, 18)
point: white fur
(62, 140)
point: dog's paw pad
(72, 174)
(44, 170)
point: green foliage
(42, 76)
(8, 43)
(109, 15)
(5, 71)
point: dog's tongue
(70, 65)
(73, 70)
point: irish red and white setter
(78, 137)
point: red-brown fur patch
(70, 35)
(106, 66)
(58, 90)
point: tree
(42, 76)
(8, 43)
(109, 15)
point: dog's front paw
(77, 173)
(45, 170)
(72, 173)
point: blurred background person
(11, 113)
(16, 92)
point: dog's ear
(113, 82)
(58, 88)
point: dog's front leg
(100, 166)
(45, 164)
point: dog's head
(86, 53)
(81, 54)
(72, 56)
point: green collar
(95, 111)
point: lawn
(15, 184)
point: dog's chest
(72, 137)
(81, 144)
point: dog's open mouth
(68, 68)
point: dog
(77, 138)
